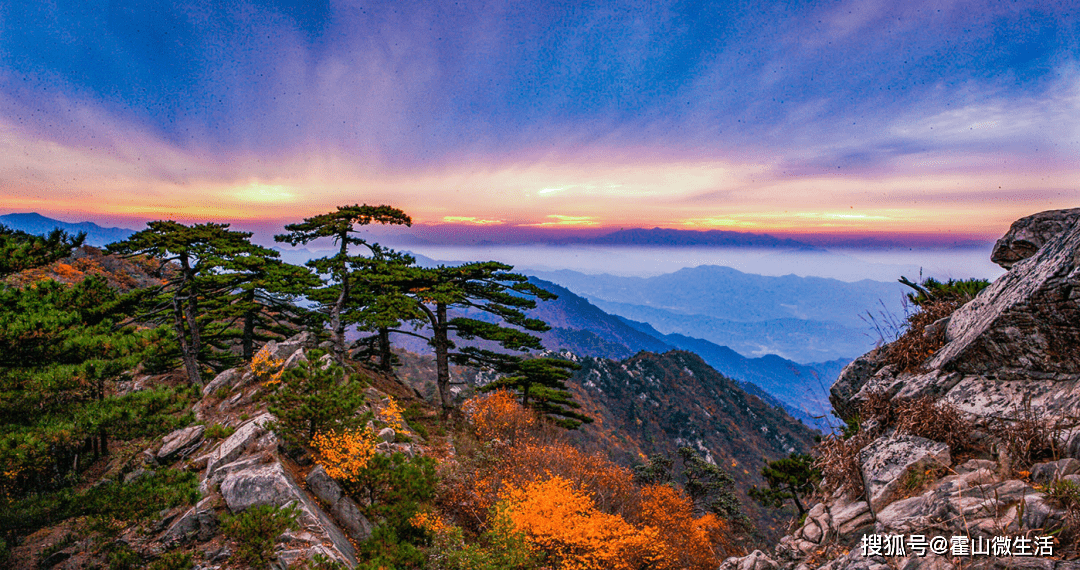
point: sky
(846, 117)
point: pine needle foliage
(316, 396)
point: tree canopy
(541, 384)
(483, 288)
(339, 226)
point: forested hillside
(151, 389)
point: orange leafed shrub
(567, 525)
(691, 543)
(266, 367)
(344, 454)
(391, 415)
(430, 522)
(581, 508)
(498, 416)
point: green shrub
(396, 488)
(120, 556)
(173, 561)
(138, 500)
(218, 431)
(501, 548)
(255, 531)
(311, 399)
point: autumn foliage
(565, 522)
(344, 454)
(580, 509)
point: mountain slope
(669, 238)
(730, 294)
(34, 223)
(796, 339)
(654, 403)
(582, 328)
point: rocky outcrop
(1027, 235)
(344, 510)
(1011, 355)
(886, 460)
(180, 443)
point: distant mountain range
(583, 329)
(681, 238)
(807, 319)
(33, 223)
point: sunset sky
(838, 116)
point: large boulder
(886, 460)
(851, 380)
(1027, 235)
(233, 446)
(271, 484)
(344, 510)
(180, 443)
(1025, 324)
(225, 379)
(283, 350)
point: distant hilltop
(34, 223)
(670, 237)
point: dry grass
(878, 407)
(936, 420)
(909, 352)
(838, 460)
(1028, 438)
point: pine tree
(488, 287)
(20, 251)
(792, 477)
(259, 292)
(541, 383)
(214, 265)
(339, 226)
(60, 347)
(380, 304)
(314, 397)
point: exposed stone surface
(285, 349)
(1027, 235)
(756, 560)
(199, 522)
(270, 484)
(1024, 325)
(851, 380)
(180, 443)
(1012, 353)
(886, 460)
(343, 509)
(225, 379)
(231, 448)
(1047, 472)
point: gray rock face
(199, 522)
(756, 560)
(1026, 324)
(224, 380)
(180, 443)
(886, 460)
(286, 348)
(852, 379)
(270, 484)
(1047, 472)
(234, 445)
(344, 510)
(1027, 235)
(848, 518)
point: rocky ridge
(1011, 358)
(248, 468)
